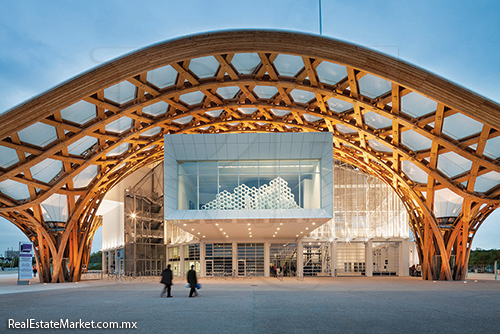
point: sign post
(25, 272)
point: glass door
(241, 268)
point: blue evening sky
(43, 43)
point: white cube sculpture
(246, 198)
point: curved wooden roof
(370, 133)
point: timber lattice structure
(419, 133)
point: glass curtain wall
(351, 259)
(174, 259)
(219, 259)
(192, 257)
(364, 207)
(249, 185)
(250, 259)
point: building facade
(261, 205)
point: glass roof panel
(121, 92)
(204, 67)
(416, 105)
(447, 203)
(288, 65)
(344, 129)
(80, 112)
(246, 63)
(453, 164)
(162, 77)
(279, 112)
(330, 73)
(118, 151)
(415, 141)
(302, 96)
(487, 181)
(247, 111)
(373, 86)
(15, 190)
(228, 92)
(338, 106)
(120, 125)
(183, 120)
(192, 98)
(214, 113)
(377, 121)
(311, 118)
(55, 208)
(414, 172)
(156, 109)
(38, 134)
(265, 92)
(82, 145)
(492, 148)
(8, 157)
(85, 177)
(379, 146)
(459, 126)
(152, 132)
(46, 170)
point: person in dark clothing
(166, 278)
(191, 279)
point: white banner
(25, 261)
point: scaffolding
(145, 249)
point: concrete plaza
(261, 305)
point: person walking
(166, 278)
(191, 279)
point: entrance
(283, 257)
(351, 258)
(385, 258)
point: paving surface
(260, 305)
